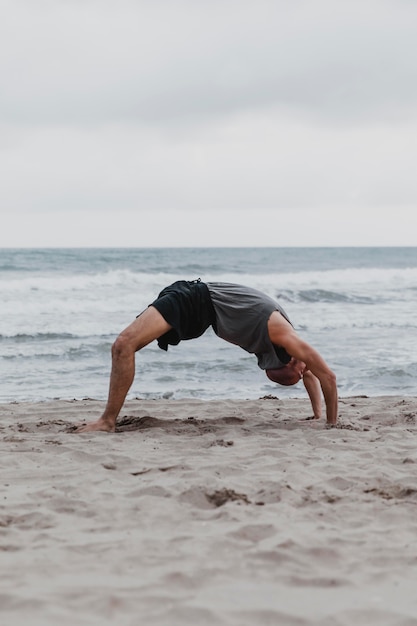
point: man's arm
(282, 334)
(148, 326)
(313, 388)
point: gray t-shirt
(242, 315)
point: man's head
(288, 375)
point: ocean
(62, 308)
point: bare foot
(100, 425)
(308, 419)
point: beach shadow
(189, 425)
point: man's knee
(148, 326)
(122, 346)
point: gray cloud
(142, 105)
(98, 62)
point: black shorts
(187, 307)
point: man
(241, 315)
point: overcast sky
(208, 122)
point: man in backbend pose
(241, 315)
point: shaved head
(288, 375)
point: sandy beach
(209, 513)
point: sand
(209, 513)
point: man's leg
(148, 326)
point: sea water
(61, 309)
